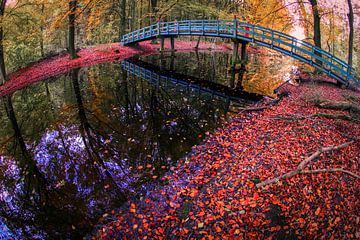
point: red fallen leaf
(202, 213)
(193, 192)
(301, 220)
(256, 196)
(132, 208)
(217, 228)
(145, 225)
(317, 212)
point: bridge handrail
(153, 77)
(249, 32)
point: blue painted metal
(286, 44)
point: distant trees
(34, 29)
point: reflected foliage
(79, 144)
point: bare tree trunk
(122, 11)
(133, 14)
(154, 10)
(72, 17)
(351, 34)
(3, 77)
(317, 30)
(42, 32)
(141, 14)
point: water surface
(91, 137)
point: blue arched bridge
(246, 32)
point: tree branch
(331, 170)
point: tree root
(304, 163)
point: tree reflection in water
(89, 138)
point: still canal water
(90, 138)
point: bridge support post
(172, 43)
(235, 55)
(243, 52)
(162, 44)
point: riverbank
(61, 64)
(215, 193)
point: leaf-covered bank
(212, 193)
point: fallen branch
(304, 163)
(344, 106)
(290, 118)
(324, 115)
(331, 170)
(340, 116)
(253, 109)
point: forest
(179, 119)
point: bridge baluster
(203, 27)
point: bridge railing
(234, 29)
(165, 81)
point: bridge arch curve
(234, 29)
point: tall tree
(122, 11)
(2, 60)
(153, 10)
(351, 33)
(317, 30)
(72, 18)
(316, 16)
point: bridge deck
(281, 42)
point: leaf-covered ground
(93, 55)
(211, 193)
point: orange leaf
(201, 214)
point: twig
(302, 165)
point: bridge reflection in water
(168, 78)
